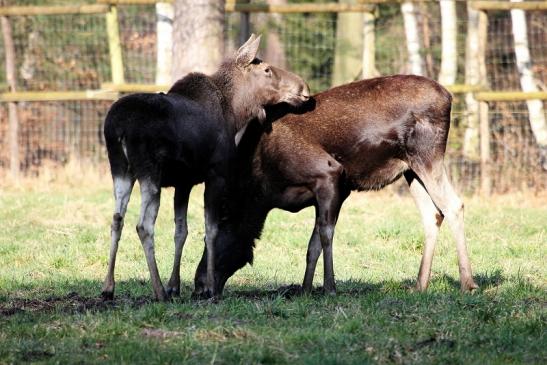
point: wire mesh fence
(70, 52)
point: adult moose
(185, 137)
(359, 136)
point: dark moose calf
(359, 136)
(185, 137)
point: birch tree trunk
(536, 113)
(198, 36)
(369, 47)
(164, 42)
(415, 60)
(349, 44)
(449, 57)
(475, 74)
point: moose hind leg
(150, 195)
(314, 250)
(445, 198)
(181, 232)
(123, 185)
(432, 219)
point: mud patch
(71, 303)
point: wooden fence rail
(112, 90)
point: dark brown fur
(359, 136)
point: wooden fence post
(114, 46)
(9, 49)
(484, 125)
(486, 163)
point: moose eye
(267, 70)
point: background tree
(349, 45)
(475, 74)
(449, 56)
(164, 42)
(198, 36)
(412, 38)
(527, 80)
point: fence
(72, 61)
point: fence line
(120, 79)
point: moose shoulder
(183, 138)
(359, 136)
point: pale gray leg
(181, 232)
(150, 195)
(431, 219)
(123, 186)
(445, 198)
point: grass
(53, 253)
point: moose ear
(247, 52)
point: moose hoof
(173, 292)
(107, 295)
(469, 287)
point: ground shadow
(80, 296)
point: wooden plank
(114, 46)
(135, 88)
(463, 88)
(506, 5)
(299, 8)
(133, 2)
(510, 95)
(54, 10)
(58, 95)
(234, 6)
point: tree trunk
(475, 74)
(449, 58)
(198, 36)
(164, 42)
(9, 50)
(415, 61)
(275, 49)
(369, 47)
(349, 44)
(536, 113)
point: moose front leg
(329, 196)
(214, 190)
(314, 250)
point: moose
(359, 136)
(183, 138)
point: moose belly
(294, 198)
(375, 176)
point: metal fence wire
(70, 52)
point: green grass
(53, 254)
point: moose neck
(240, 106)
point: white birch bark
(412, 38)
(475, 74)
(164, 42)
(449, 57)
(369, 47)
(536, 113)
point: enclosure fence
(66, 62)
